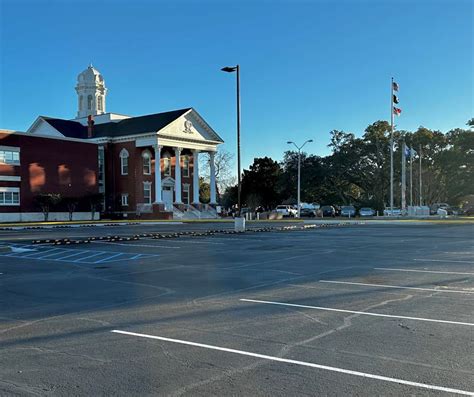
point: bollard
(239, 224)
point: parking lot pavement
(358, 310)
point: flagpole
(411, 177)
(421, 196)
(391, 149)
(404, 178)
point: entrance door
(168, 198)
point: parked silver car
(366, 211)
(348, 210)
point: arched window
(146, 156)
(186, 166)
(81, 100)
(167, 165)
(89, 102)
(124, 162)
(99, 102)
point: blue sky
(307, 66)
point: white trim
(124, 156)
(146, 154)
(7, 178)
(10, 148)
(187, 171)
(10, 189)
(30, 132)
(123, 202)
(149, 185)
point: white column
(195, 176)
(177, 175)
(213, 178)
(158, 198)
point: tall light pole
(391, 151)
(299, 171)
(231, 69)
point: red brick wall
(116, 184)
(50, 165)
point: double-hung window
(146, 156)
(147, 192)
(124, 199)
(186, 166)
(167, 165)
(124, 162)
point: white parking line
(356, 312)
(59, 250)
(422, 271)
(135, 245)
(70, 256)
(443, 260)
(109, 258)
(302, 363)
(397, 286)
(89, 256)
(40, 252)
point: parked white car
(286, 210)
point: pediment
(42, 127)
(168, 181)
(191, 126)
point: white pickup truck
(286, 210)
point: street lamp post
(299, 171)
(231, 69)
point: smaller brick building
(35, 164)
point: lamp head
(289, 142)
(229, 69)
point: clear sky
(307, 67)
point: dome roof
(90, 74)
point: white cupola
(91, 93)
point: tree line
(357, 171)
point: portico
(174, 181)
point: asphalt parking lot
(363, 310)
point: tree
(312, 175)
(470, 123)
(223, 162)
(204, 191)
(94, 200)
(71, 204)
(260, 183)
(47, 201)
(229, 198)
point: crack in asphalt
(347, 322)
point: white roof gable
(41, 127)
(190, 126)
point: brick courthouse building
(128, 153)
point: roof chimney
(90, 125)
